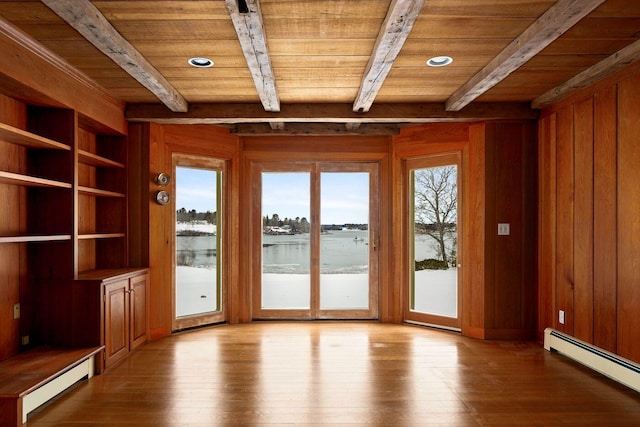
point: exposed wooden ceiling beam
(602, 69)
(314, 129)
(394, 32)
(551, 25)
(250, 29)
(328, 113)
(91, 23)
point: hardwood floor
(341, 373)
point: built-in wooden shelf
(35, 238)
(88, 236)
(27, 139)
(89, 191)
(110, 273)
(92, 159)
(30, 181)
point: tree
(211, 217)
(304, 225)
(435, 206)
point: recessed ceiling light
(201, 62)
(439, 61)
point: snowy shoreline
(435, 291)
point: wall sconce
(162, 179)
(162, 197)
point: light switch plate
(504, 229)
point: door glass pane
(434, 284)
(197, 241)
(344, 241)
(286, 243)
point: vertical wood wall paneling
(491, 252)
(473, 297)
(546, 223)
(529, 242)
(510, 260)
(13, 284)
(583, 221)
(251, 250)
(605, 219)
(628, 218)
(233, 234)
(392, 302)
(138, 191)
(605, 116)
(565, 219)
(507, 201)
(159, 306)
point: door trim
(208, 163)
(434, 160)
(315, 169)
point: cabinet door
(116, 322)
(138, 306)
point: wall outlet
(16, 311)
(504, 229)
(25, 340)
(561, 317)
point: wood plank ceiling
(337, 66)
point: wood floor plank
(341, 373)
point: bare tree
(435, 206)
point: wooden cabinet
(125, 316)
(116, 321)
(100, 307)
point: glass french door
(317, 241)
(434, 229)
(197, 281)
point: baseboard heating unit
(609, 364)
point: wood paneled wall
(498, 169)
(150, 149)
(499, 186)
(589, 215)
(510, 196)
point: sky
(344, 196)
(195, 189)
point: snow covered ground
(435, 293)
(199, 226)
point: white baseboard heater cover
(56, 386)
(609, 364)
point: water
(341, 252)
(196, 251)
